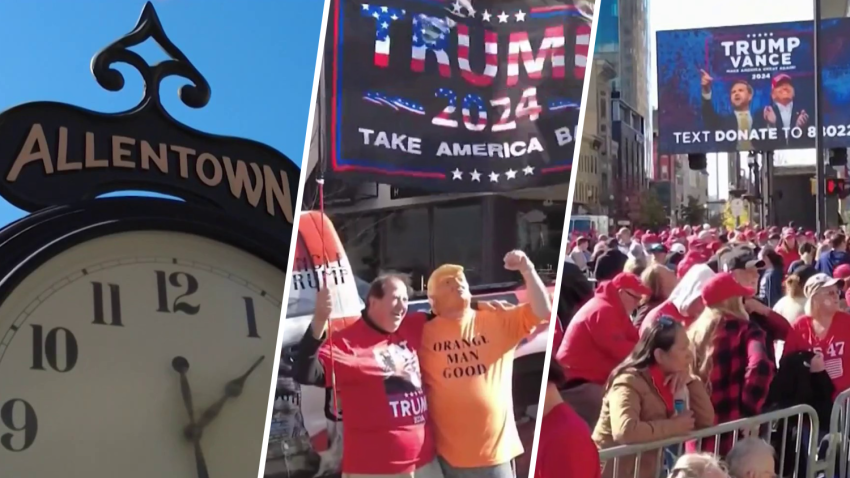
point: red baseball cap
(841, 272)
(696, 243)
(691, 259)
(721, 287)
(650, 238)
(782, 77)
(714, 246)
(630, 282)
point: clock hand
(232, 389)
(200, 462)
(181, 366)
(192, 432)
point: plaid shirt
(741, 373)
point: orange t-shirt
(467, 370)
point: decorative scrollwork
(195, 95)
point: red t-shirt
(379, 387)
(832, 346)
(565, 447)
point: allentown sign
(55, 153)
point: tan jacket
(634, 412)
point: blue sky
(258, 56)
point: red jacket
(599, 338)
(788, 255)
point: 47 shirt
(832, 345)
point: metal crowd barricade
(839, 437)
(807, 425)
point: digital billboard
(744, 88)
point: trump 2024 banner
(453, 96)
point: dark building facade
(629, 168)
(385, 228)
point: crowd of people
(423, 395)
(686, 329)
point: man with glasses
(599, 337)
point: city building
(674, 181)
(629, 167)
(593, 171)
(623, 41)
(835, 8)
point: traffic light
(698, 162)
(838, 157)
(836, 187)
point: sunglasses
(827, 291)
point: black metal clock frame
(63, 205)
(27, 244)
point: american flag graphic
(581, 50)
(470, 101)
(431, 33)
(445, 116)
(384, 16)
(396, 103)
(553, 43)
(562, 104)
(491, 57)
(379, 99)
(528, 105)
(834, 367)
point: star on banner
(520, 16)
(503, 17)
(383, 15)
(486, 16)
(493, 176)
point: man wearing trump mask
(467, 357)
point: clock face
(87, 386)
